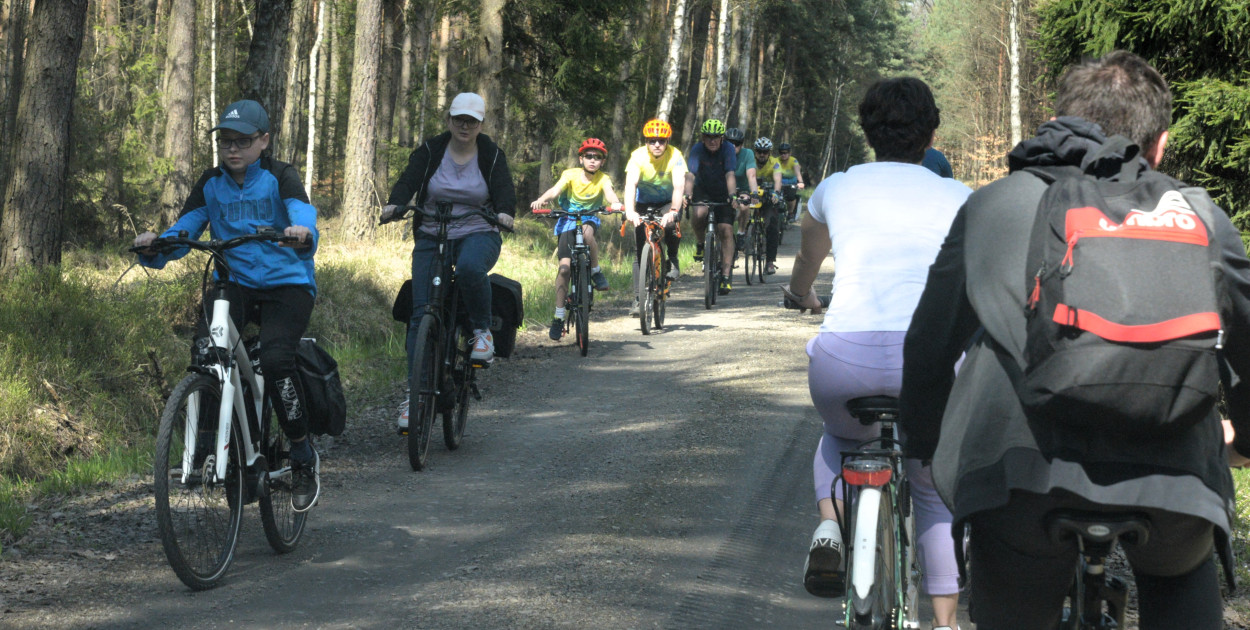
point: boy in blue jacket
(271, 284)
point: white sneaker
(402, 424)
(483, 346)
(674, 272)
(823, 575)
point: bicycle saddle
(1133, 528)
(873, 409)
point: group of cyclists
(886, 223)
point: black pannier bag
(323, 390)
(507, 310)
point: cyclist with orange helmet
(652, 176)
(578, 190)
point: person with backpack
(1095, 299)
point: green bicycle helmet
(712, 127)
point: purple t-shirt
(464, 186)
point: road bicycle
(713, 266)
(1096, 600)
(580, 296)
(652, 281)
(443, 375)
(883, 572)
(219, 446)
(787, 192)
(755, 244)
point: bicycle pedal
(480, 365)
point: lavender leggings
(849, 365)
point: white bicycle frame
(231, 377)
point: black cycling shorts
(567, 238)
(790, 192)
(722, 214)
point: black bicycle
(218, 444)
(754, 247)
(443, 372)
(713, 266)
(580, 296)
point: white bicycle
(219, 446)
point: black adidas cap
(246, 117)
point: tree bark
(264, 77)
(1016, 126)
(403, 101)
(616, 150)
(14, 15)
(720, 104)
(387, 68)
(179, 91)
(310, 152)
(299, 42)
(30, 232)
(490, 60)
(698, 54)
(744, 66)
(359, 200)
(444, 63)
(672, 68)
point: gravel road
(662, 482)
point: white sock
(560, 313)
(596, 270)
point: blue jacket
(272, 195)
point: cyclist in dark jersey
(711, 178)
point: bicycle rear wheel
(423, 401)
(761, 249)
(711, 259)
(460, 379)
(197, 515)
(283, 525)
(750, 257)
(873, 584)
(582, 280)
(646, 280)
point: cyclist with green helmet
(710, 177)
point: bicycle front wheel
(711, 257)
(582, 278)
(283, 525)
(460, 370)
(646, 280)
(873, 578)
(423, 397)
(197, 514)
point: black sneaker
(725, 286)
(557, 329)
(305, 483)
(698, 253)
(600, 280)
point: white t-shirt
(886, 221)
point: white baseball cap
(468, 104)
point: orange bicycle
(653, 284)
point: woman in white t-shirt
(884, 223)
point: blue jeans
(474, 256)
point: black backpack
(323, 390)
(1123, 309)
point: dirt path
(662, 482)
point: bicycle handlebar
(555, 214)
(216, 246)
(442, 213)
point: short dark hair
(898, 117)
(1121, 92)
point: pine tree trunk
(444, 63)
(617, 152)
(179, 91)
(744, 67)
(13, 19)
(672, 68)
(111, 101)
(331, 123)
(359, 201)
(34, 197)
(299, 42)
(698, 53)
(403, 101)
(388, 67)
(1016, 126)
(490, 63)
(264, 76)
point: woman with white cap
(464, 166)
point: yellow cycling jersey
(577, 194)
(764, 172)
(788, 174)
(657, 177)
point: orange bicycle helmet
(657, 128)
(592, 143)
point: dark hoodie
(411, 188)
(974, 299)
